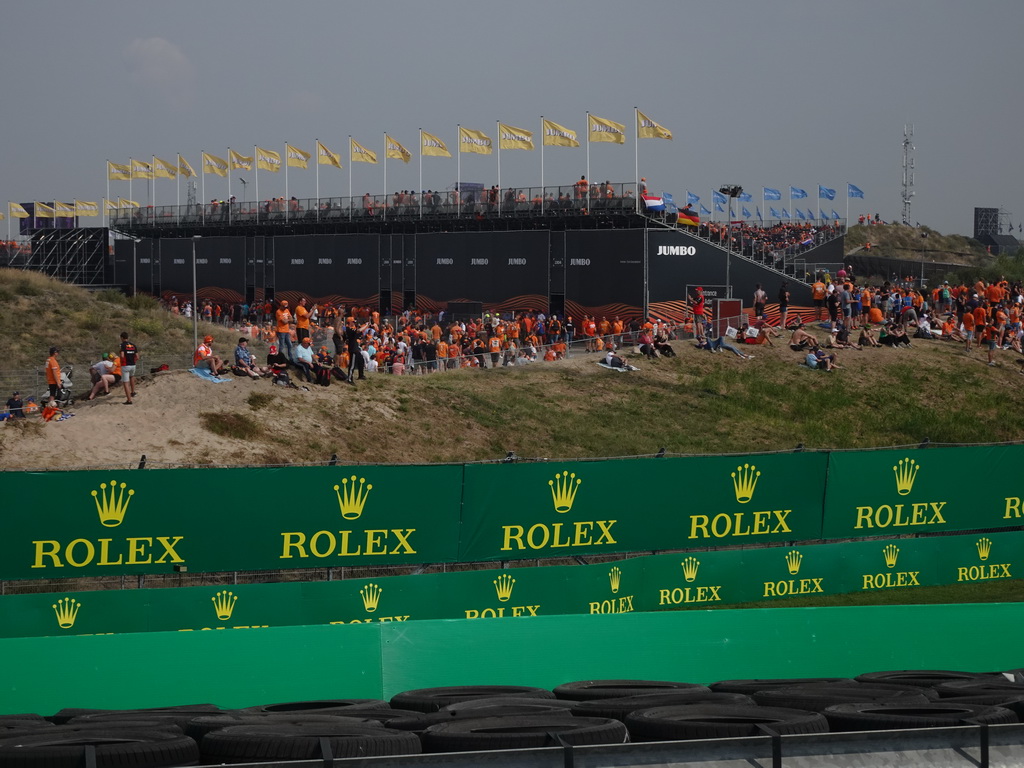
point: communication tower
(908, 170)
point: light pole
(195, 306)
(135, 265)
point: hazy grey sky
(768, 93)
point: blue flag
(824, 193)
(852, 191)
(775, 214)
(732, 213)
(692, 199)
(719, 208)
(746, 213)
(771, 194)
(785, 214)
(799, 214)
(704, 211)
(797, 194)
(745, 197)
(835, 216)
(759, 218)
(718, 197)
(670, 203)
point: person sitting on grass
(613, 360)
(801, 339)
(839, 338)
(821, 360)
(204, 358)
(867, 337)
(102, 374)
(717, 345)
(245, 362)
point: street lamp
(195, 303)
(135, 265)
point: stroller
(63, 398)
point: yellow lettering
(937, 508)
(293, 540)
(47, 548)
(373, 539)
(761, 522)
(137, 550)
(169, 546)
(701, 522)
(105, 553)
(582, 537)
(864, 515)
(69, 553)
(512, 533)
(1012, 505)
(403, 546)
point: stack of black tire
(474, 718)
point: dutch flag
(653, 203)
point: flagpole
(636, 155)
(819, 204)
(846, 221)
(385, 164)
(497, 130)
(152, 178)
(318, 179)
(287, 199)
(350, 175)
(256, 174)
(458, 165)
(421, 169)
(202, 172)
(229, 172)
(542, 191)
(131, 175)
(588, 150)
(106, 219)
(177, 190)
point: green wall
(241, 668)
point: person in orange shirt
(969, 325)
(989, 337)
(53, 372)
(301, 320)
(284, 330)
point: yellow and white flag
(268, 160)
(2, 217)
(556, 135)
(648, 129)
(324, 156)
(395, 150)
(600, 129)
(82, 208)
(43, 211)
(118, 171)
(64, 210)
(141, 170)
(184, 168)
(432, 146)
(214, 164)
(240, 162)
(476, 142)
(164, 170)
(122, 203)
(510, 137)
(17, 211)
(297, 158)
(361, 154)
(109, 205)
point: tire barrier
(585, 690)
(518, 732)
(718, 721)
(872, 717)
(69, 747)
(433, 699)
(280, 741)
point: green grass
(236, 425)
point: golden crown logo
(111, 507)
(793, 560)
(352, 498)
(984, 546)
(890, 552)
(615, 577)
(906, 472)
(371, 597)
(503, 585)
(690, 566)
(67, 612)
(744, 480)
(563, 491)
(224, 604)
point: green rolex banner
(515, 511)
(889, 493)
(99, 523)
(654, 583)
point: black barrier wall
(598, 272)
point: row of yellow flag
(66, 210)
(477, 142)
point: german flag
(688, 218)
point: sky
(777, 94)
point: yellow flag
(43, 211)
(164, 170)
(324, 156)
(122, 203)
(184, 168)
(214, 164)
(17, 211)
(297, 158)
(109, 205)
(2, 217)
(396, 151)
(141, 170)
(474, 141)
(510, 137)
(648, 129)
(556, 135)
(600, 129)
(432, 146)
(361, 154)
(64, 210)
(118, 171)
(239, 161)
(268, 160)
(82, 208)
